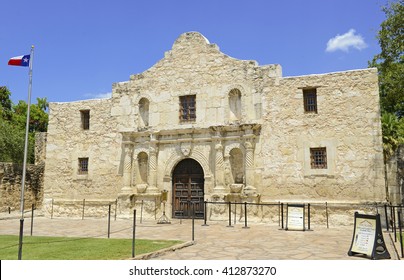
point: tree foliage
(390, 65)
(13, 124)
(390, 61)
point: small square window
(85, 119)
(318, 158)
(310, 100)
(187, 108)
(83, 166)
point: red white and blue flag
(22, 60)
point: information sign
(367, 237)
(295, 217)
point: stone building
(200, 125)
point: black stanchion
(387, 218)
(109, 219)
(394, 224)
(308, 216)
(401, 233)
(52, 210)
(32, 218)
(193, 221)
(20, 239)
(235, 212)
(245, 215)
(116, 206)
(133, 233)
(326, 212)
(279, 213)
(84, 205)
(141, 212)
(229, 215)
(9, 210)
(205, 213)
(282, 213)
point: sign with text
(367, 237)
(295, 217)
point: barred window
(85, 119)
(318, 158)
(187, 108)
(310, 100)
(83, 166)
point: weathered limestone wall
(67, 142)
(347, 124)
(11, 175)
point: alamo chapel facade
(200, 125)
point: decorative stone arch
(140, 150)
(142, 95)
(233, 146)
(176, 157)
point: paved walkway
(213, 242)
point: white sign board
(295, 217)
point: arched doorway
(188, 188)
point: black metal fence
(391, 215)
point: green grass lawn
(65, 248)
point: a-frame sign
(367, 238)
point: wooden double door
(188, 190)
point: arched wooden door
(188, 189)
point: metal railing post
(32, 218)
(245, 215)
(134, 233)
(229, 203)
(109, 219)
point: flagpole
(25, 155)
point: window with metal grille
(318, 158)
(310, 100)
(187, 108)
(83, 165)
(85, 119)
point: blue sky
(83, 46)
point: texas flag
(22, 60)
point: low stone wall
(10, 186)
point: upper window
(318, 158)
(187, 108)
(83, 166)
(85, 119)
(310, 100)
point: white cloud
(98, 95)
(346, 41)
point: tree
(390, 65)
(393, 134)
(12, 126)
(5, 103)
(390, 61)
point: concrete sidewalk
(216, 241)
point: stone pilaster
(127, 168)
(249, 167)
(152, 178)
(219, 169)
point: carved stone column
(127, 168)
(219, 169)
(249, 167)
(152, 178)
